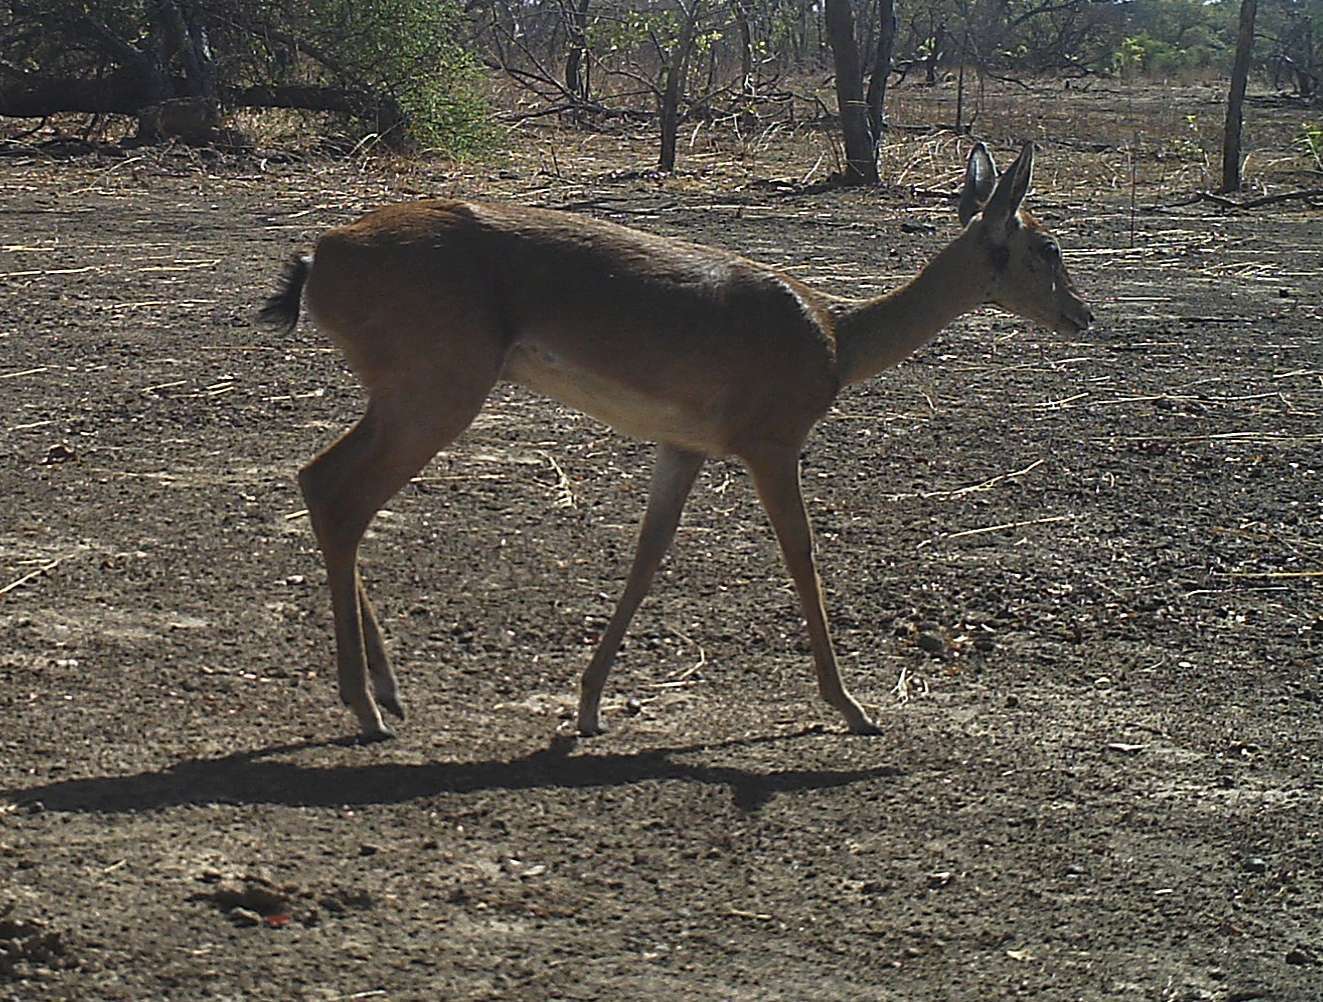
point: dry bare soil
(1078, 577)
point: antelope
(704, 352)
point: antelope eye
(1051, 251)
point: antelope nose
(1087, 317)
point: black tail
(283, 308)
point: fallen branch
(1231, 203)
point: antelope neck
(875, 334)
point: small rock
(633, 707)
(1255, 864)
(932, 643)
(245, 917)
(985, 645)
(1301, 956)
(1012, 702)
(60, 452)
(368, 849)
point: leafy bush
(1143, 53)
(400, 66)
(409, 51)
(1310, 140)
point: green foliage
(1128, 60)
(613, 36)
(1175, 38)
(409, 51)
(1310, 140)
(402, 63)
(1190, 144)
(1143, 53)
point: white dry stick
(564, 495)
(50, 565)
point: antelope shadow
(260, 776)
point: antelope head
(1028, 275)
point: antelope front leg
(384, 685)
(672, 479)
(777, 480)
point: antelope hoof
(375, 735)
(865, 726)
(590, 728)
(392, 705)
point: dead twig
(24, 372)
(1252, 437)
(999, 527)
(45, 568)
(1270, 574)
(44, 272)
(564, 494)
(955, 492)
(683, 677)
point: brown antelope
(694, 348)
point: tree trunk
(741, 14)
(877, 82)
(1305, 78)
(301, 96)
(184, 76)
(576, 80)
(860, 153)
(674, 75)
(1236, 98)
(32, 96)
(938, 39)
(960, 85)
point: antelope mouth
(1071, 323)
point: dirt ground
(1077, 577)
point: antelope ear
(1005, 201)
(980, 176)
